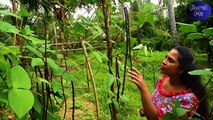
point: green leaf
(20, 78)
(208, 31)
(111, 79)
(56, 87)
(21, 101)
(151, 20)
(4, 98)
(187, 28)
(7, 27)
(58, 71)
(193, 36)
(181, 111)
(139, 47)
(211, 42)
(37, 62)
(43, 80)
(201, 72)
(34, 40)
(79, 28)
(27, 30)
(97, 56)
(116, 104)
(7, 12)
(24, 12)
(168, 116)
(141, 18)
(37, 104)
(132, 41)
(14, 60)
(69, 77)
(32, 49)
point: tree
(172, 22)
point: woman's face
(170, 64)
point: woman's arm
(150, 110)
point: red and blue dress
(163, 100)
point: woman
(175, 85)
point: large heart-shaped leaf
(20, 78)
(21, 101)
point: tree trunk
(172, 22)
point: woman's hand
(137, 78)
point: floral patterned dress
(163, 100)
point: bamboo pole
(92, 77)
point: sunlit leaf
(43, 80)
(168, 116)
(181, 111)
(34, 40)
(208, 31)
(21, 101)
(151, 19)
(69, 77)
(139, 47)
(24, 12)
(27, 30)
(9, 13)
(201, 72)
(58, 71)
(7, 27)
(187, 28)
(97, 56)
(56, 87)
(32, 49)
(193, 36)
(20, 78)
(211, 42)
(37, 62)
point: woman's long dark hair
(187, 63)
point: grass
(130, 102)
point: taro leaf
(20, 78)
(21, 101)
(43, 80)
(37, 62)
(193, 36)
(208, 31)
(58, 71)
(97, 56)
(69, 77)
(7, 12)
(181, 111)
(187, 28)
(7, 27)
(32, 49)
(201, 72)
